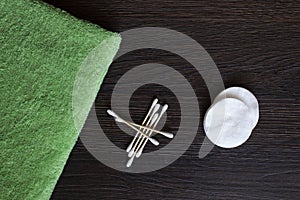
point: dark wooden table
(255, 45)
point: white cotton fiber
(231, 118)
(245, 96)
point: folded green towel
(42, 50)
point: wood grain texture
(255, 45)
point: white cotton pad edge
(245, 96)
(227, 123)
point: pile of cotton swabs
(144, 131)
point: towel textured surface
(42, 50)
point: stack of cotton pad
(231, 118)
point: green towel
(42, 50)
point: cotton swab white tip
(153, 119)
(112, 113)
(154, 103)
(131, 152)
(156, 108)
(129, 163)
(168, 135)
(154, 141)
(165, 108)
(139, 153)
(130, 146)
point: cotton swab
(152, 140)
(131, 152)
(153, 109)
(144, 131)
(148, 122)
(129, 163)
(168, 135)
(139, 152)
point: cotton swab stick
(141, 137)
(145, 120)
(138, 137)
(139, 152)
(168, 135)
(153, 109)
(152, 140)
(129, 163)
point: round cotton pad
(245, 96)
(227, 124)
